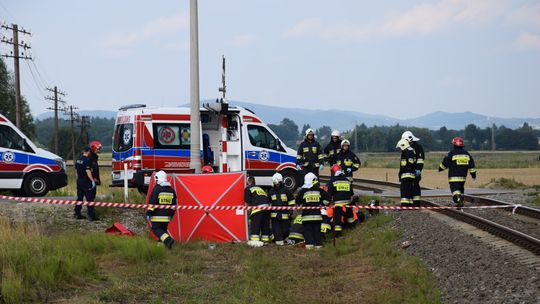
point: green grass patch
(36, 266)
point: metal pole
(195, 159)
(17, 76)
(55, 120)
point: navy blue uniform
(84, 187)
(458, 162)
(160, 218)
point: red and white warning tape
(239, 207)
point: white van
(24, 168)
(232, 139)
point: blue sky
(398, 58)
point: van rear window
(123, 137)
(172, 136)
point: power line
(35, 80)
(43, 80)
(59, 104)
(73, 117)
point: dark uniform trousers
(260, 225)
(280, 228)
(85, 190)
(312, 232)
(416, 191)
(458, 190)
(406, 191)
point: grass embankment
(365, 266)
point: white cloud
(122, 44)
(421, 19)
(528, 41)
(528, 14)
(243, 40)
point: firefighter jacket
(331, 150)
(297, 230)
(458, 162)
(340, 190)
(309, 154)
(161, 195)
(312, 197)
(256, 196)
(348, 161)
(280, 196)
(420, 155)
(407, 165)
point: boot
(79, 216)
(169, 242)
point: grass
(365, 266)
(37, 267)
(504, 183)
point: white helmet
(309, 180)
(403, 144)
(277, 178)
(409, 136)
(345, 142)
(161, 177)
(335, 133)
(310, 131)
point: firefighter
(340, 191)
(260, 219)
(296, 234)
(95, 148)
(309, 157)
(348, 161)
(280, 196)
(407, 172)
(311, 195)
(86, 185)
(419, 151)
(458, 162)
(333, 148)
(162, 194)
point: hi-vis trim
(461, 159)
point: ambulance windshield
(123, 137)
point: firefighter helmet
(207, 169)
(161, 177)
(409, 136)
(310, 131)
(95, 146)
(277, 178)
(403, 144)
(335, 133)
(309, 180)
(345, 142)
(336, 169)
(458, 142)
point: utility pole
(15, 55)
(355, 138)
(73, 116)
(493, 145)
(85, 125)
(55, 109)
(195, 158)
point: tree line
(384, 138)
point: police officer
(458, 162)
(162, 194)
(348, 161)
(95, 148)
(311, 195)
(280, 196)
(420, 156)
(309, 157)
(407, 172)
(333, 148)
(260, 219)
(341, 192)
(86, 185)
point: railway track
(514, 236)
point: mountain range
(344, 120)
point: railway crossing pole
(195, 159)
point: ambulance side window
(260, 137)
(172, 136)
(10, 139)
(123, 137)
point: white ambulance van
(24, 168)
(233, 138)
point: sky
(398, 58)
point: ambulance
(233, 138)
(24, 168)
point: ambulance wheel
(290, 180)
(36, 184)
